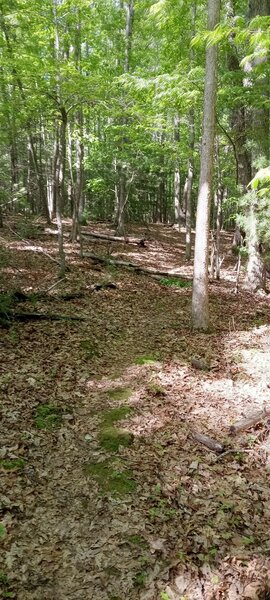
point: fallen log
(114, 238)
(129, 265)
(249, 422)
(208, 442)
(11, 316)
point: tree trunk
(200, 308)
(121, 194)
(177, 207)
(189, 180)
(189, 183)
(260, 135)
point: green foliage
(137, 540)
(28, 230)
(3, 531)
(5, 586)
(175, 282)
(48, 416)
(3, 578)
(6, 303)
(12, 464)
(115, 482)
(140, 579)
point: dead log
(249, 422)
(129, 265)
(208, 442)
(115, 238)
(9, 316)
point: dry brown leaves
(196, 527)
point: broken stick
(249, 421)
(208, 442)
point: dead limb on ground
(129, 265)
(248, 422)
(114, 238)
(19, 296)
(10, 316)
(105, 237)
(239, 426)
(208, 442)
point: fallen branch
(128, 265)
(55, 284)
(248, 422)
(208, 442)
(115, 238)
(103, 286)
(9, 316)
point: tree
(200, 309)
(260, 137)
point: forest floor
(106, 495)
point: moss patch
(137, 540)
(120, 394)
(115, 414)
(112, 438)
(146, 359)
(118, 483)
(11, 464)
(48, 416)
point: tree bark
(190, 174)
(260, 134)
(121, 193)
(200, 301)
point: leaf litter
(162, 517)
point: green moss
(140, 579)
(112, 438)
(3, 578)
(146, 359)
(3, 531)
(118, 483)
(119, 394)
(116, 414)
(137, 540)
(48, 416)
(13, 463)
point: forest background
(101, 112)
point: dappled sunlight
(128, 398)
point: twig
(55, 284)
